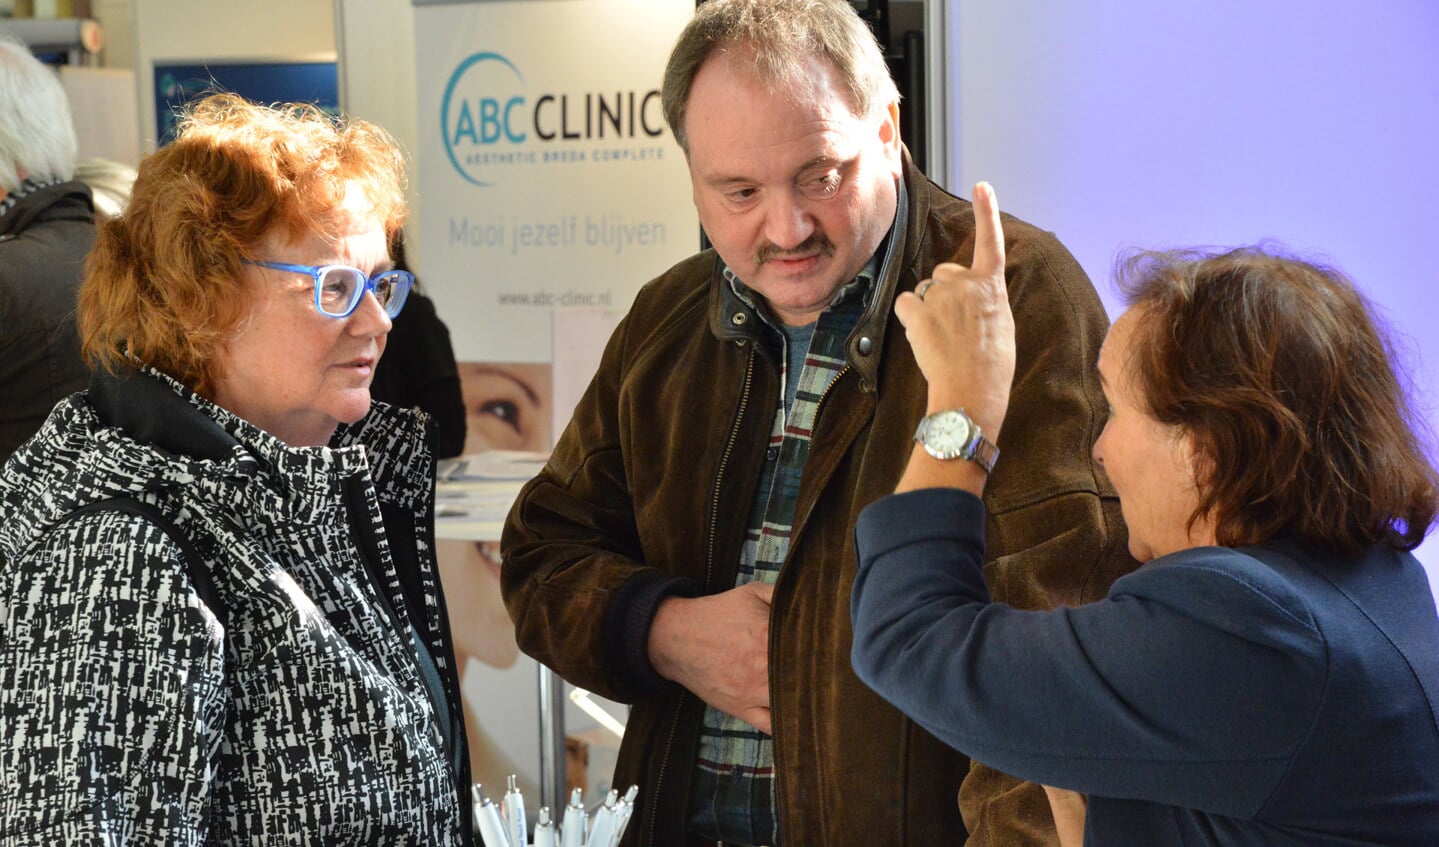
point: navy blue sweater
(1272, 696)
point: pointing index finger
(988, 233)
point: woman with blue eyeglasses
(219, 606)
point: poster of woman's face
(507, 407)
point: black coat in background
(43, 243)
(417, 371)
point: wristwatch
(952, 435)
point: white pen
(512, 808)
(623, 811)
(544, 829)
(487, 819)
(602, 823)
(476, 798)
(572, 831)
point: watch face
(948, 434)
(952, 435)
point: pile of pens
(505, 825)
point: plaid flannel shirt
(732, 798)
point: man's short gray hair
(782, 34)
(37, 134)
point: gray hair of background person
(37, 135)
(782, 34)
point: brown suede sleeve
(1001, 811)
(1055, 535)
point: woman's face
(290, 370)
(507, 406)
(1151, 464)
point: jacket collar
(732, 319)
(57, 201)
(145, 435)
(389, 445)
(154, 409)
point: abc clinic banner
(548, 182)
(547, 176)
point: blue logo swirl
(480, 121)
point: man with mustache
(689, 550)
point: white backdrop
(1120, 123)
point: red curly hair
(164, 284)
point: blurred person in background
(47, 225)
(418, 370)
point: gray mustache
(815, 243)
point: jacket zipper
(364, 532)
(709, 573)
(818, 410)
(724, 461)
(773, 634)
(431, 683)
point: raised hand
(960, 327)
(718, 647)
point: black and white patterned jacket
(129, 714)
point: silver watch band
(952, 434)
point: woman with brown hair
(221, 614)
(1271, 675)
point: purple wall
(1121, 123)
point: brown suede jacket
(648, 491)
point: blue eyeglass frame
(405, 280)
